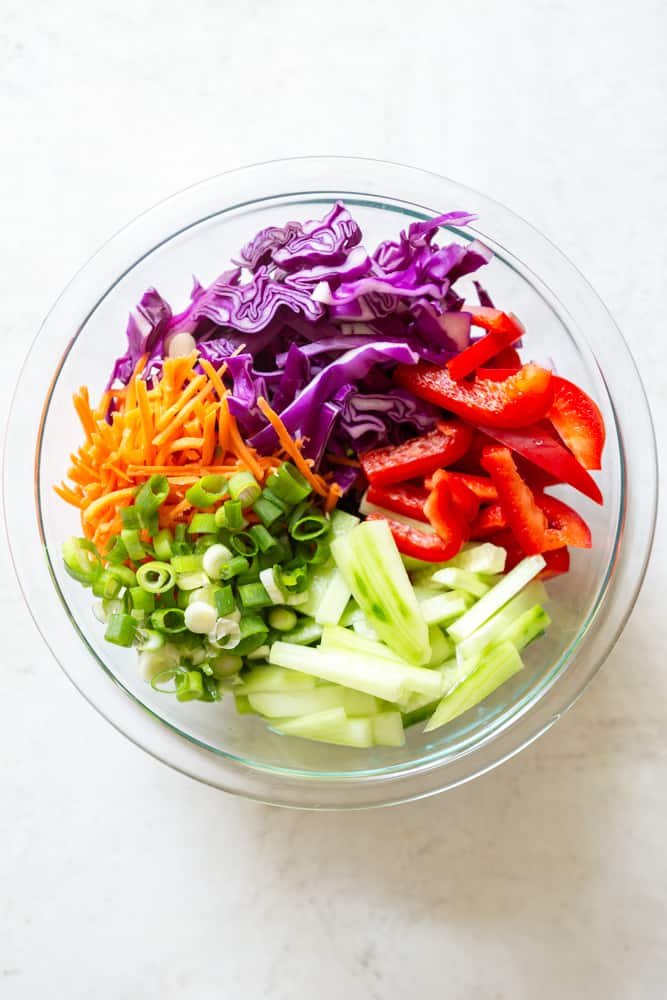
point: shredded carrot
(179, 426)
(342, 460)
(290, 448)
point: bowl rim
(420, 779)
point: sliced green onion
(263, 539)
(169, 620)
(116, 553)
(282, 619)
(150, 497)
(254, 595)
(214, 559)
(191, 581)
(235, 566)
(116, 606)
(251, 574)
(244, 487)
(121, 629)
(207, 491)
(107, 586)
(142, 600)
(181, 548)
(267, 512)
(126, 576)
(276, 501)
(132, 543)
(305, 525)
(162, 545)
(82, 560)
(147, 639)
(187, 564)
(253, 633)
(205, 542)
(244, 544)
(224, 600)
(226, 665)
(230, 516)
(167, 681)
(288, 484)
(183, 598)
(180, 532)
(200, 617)
(315, 552)
(291, 579)
(129, 517)
(203, 524)
(212, 690)
(155, 577)
(285, 545)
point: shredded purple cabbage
(312, 321)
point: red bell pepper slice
(460, 494)
(443, 446)
(566, 526)
(521, 399)
(490, 520)
(503, 331)
(417, 544)
(406, 500)
(557, 560)
(446, 515)
(508, 359)
(481, 486)
(541, 445)
(496, 374)
(527, 521)
(579, 422)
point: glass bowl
(197, 231)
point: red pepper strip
(406, 500)
(541, 445)
(417, 457)
(461, 495)
(507, 359)
(495, 374)
(503, 331)
(481, 486)
(489, 520)
(527, 521)
(566, 527)
(538, 479)
(521, 399)
(578, 421)
(557, 561)
(446, 515)
(418, 544)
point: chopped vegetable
(311, 373)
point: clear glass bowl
(197, 231)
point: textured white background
(121, 879)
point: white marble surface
(121, 879)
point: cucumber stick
(334, 599)
(276, 704)
(526, 627)
(461, 579)
(266, 678)
(496, 598)
(382, 678)
(370, 562)
(329, 726)
(333, 726)
(492, 631)
(443, 607)
(484, 558)
(496, 667)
